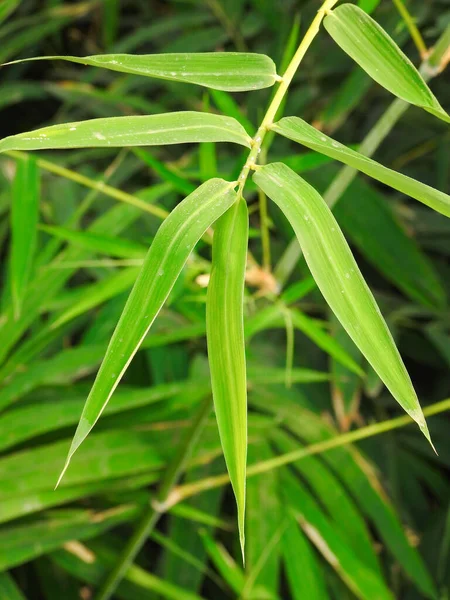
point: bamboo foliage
(155, 299)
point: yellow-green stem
(99, 186)
(412, 28)
(285, 81)
(188, 490)
(264, 227)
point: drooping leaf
(370, 46)
(298, 130)
(24, 217)
(166, 257)
(377, 233)
(229, 71)
(226, 346)
(153, 130)
(339, 279)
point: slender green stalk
(412, 28)
(278, 98)
(231, 28)
(159, 505)
(264, 226)
(99, 186)
(429, 68)
(186, 491)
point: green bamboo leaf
(24, 218)
(149, 130)
(98, 293)
(229, 71)
(358, 576)
(370, 46)
(339, 279)
(62, 368)
(179, 183)
(30, 420)
(226, 346)
(302, 567)
(298, 130)
(265, 523)
(101, 458)
(7, 7)
(8, 588)
(104, 244)
(166, 257)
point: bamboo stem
(186, 491)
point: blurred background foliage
(369, 520)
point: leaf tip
(424, 429)
(66, 465)
(242, 543)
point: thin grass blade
(166, 257)
(226, 346)
(104, 244)
(116, 132)
(340, 280)
(24, 218)
(303, 571)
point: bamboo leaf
(24, 218)
(265, 524)
(302, 567)
(166, 257)
(298, 130)
(104, 244)
(117, 132)
(229, 71)
(32, 420)
(339, 279)
(361, 579)
(7, 7)
(226, 346)
(370, 46)
(98, 292)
